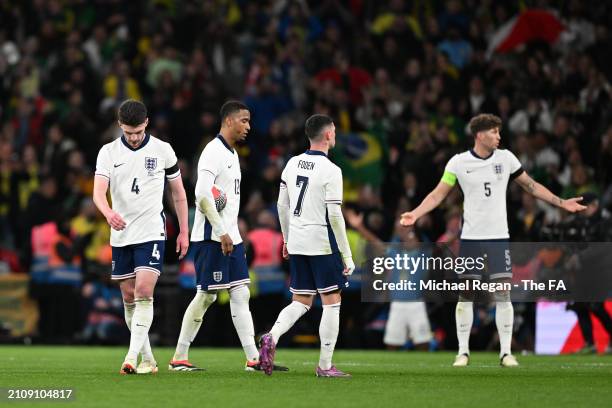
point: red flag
(528, 26)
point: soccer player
(136, 166)
(408, 318)
(315, 243)
(483, 173)
(407, 311)
(219, 254)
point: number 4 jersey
(484, 182)
(136, 178)
(311, 181)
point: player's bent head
(484, 122)
(132, 113)
(230, 108)
(316, 125)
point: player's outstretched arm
(180, 205)
(355, 221)
(336, 220)
(99, 198)
(206, 204)
(433, 199)
(539, 191)
(283, 206)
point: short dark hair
(231, 107)
(315, 125)
(132, 113)
(484, 122)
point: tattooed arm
(539, 191)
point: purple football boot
(266, 353)
(332, 372)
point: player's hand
(182, 244)
(115, 221)
(285, 251)
(355, 220)
(407, 219)
(349, 266)
(571, 205)
(227, 246)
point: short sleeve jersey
(137, 178)
(312, 181)
(484, 182)
(221, 160)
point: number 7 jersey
(136, 179)
(309, 182)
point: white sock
(141, 323)
(287, 318)
(504, 319)
(243, 321)
(328, 334)
(192, 320)
(128, 312)
(464, 316)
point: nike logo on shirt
(117, 165)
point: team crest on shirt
(498, 169)
(150, 164)
(217, 276)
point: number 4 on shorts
(155, 254)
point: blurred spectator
(9, 262)
(580, 183)
(59, 292)
(459, 51)
(267, 243)
(8, 194)
(94, 235)
(55, 150)
(27, 122)
(103, 312)
(119, 85)
(351, 79)
(451, 234)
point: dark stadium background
(400, 78)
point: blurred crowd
(400, 78)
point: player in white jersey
(315, 243)
(136, 166)
(483, 174)
(219, 255)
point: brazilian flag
(361, 156)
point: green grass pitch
(380, 379)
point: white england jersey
(219, 159)
(484, 182)
(312, 181)
(137, 178)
